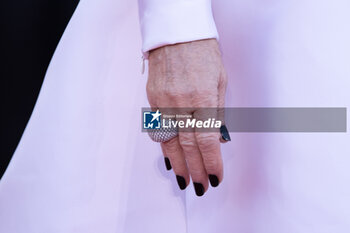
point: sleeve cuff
(165, 22)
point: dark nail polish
(167, 163)
(198, 187)
(214, 181)
(181, 182)
(224, 133)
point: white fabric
(83, 165)
(174, 21)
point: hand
(190, 75)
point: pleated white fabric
(83, 164)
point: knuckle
(176, 92)
(187, 144)
(212, 164)
(171, 146)
(170, 92)
(206, 98)
(207, 142)
(196, 173)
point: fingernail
(224, 133)
(167, 163)
(214, 181)
(181, 182)
(198, 187)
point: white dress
(83, 165)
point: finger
(209, 147)
(194, 162)
(175, 154)
(166, 159)
(225, 136)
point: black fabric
(30, 31)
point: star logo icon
(152, 120)
(156, 115)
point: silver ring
(162, 134)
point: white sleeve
(166, 22)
